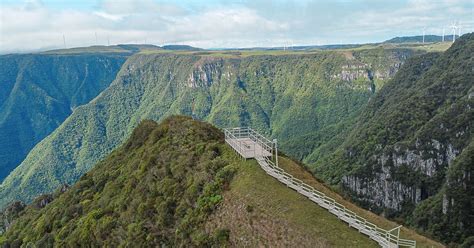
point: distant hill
(302, 48)
(181, 47)
(419, 39)
(177, 184)
(124, 49)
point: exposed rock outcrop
(205, 72)
(9, 214)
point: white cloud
(33, 25)
(112, 17)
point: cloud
(112, 17)
(224, 24)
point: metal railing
(235, 138)
(385, 238)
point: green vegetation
(178, 184)
(252, 187)
(38, 92)
(419, 39)
(410, 151)
(298, 98)
(391, 147)
(157, 189)
(116, 49)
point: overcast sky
(38, 25)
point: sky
(49, 24)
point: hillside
(300, 98)
(38, 92)
(419, 39)
(410, 153)
(177, 184)
(122, 49)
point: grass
(231, 53)
(91, 49)
(121, 49)
(253, 186)
(429, 47)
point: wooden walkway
(249, 144)
(249, 148)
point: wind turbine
(96, 38)
(64, 40)
(424, 35)
(443, 35)
(454, 31)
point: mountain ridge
(419, 38)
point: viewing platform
(248, 143)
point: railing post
(276, 151)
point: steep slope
(410, 153)
(295, 96)
(38, 92)
(178, 184)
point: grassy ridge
(157, 189)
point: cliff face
(409, 153)
(38, 92)
(9, 214)
(205, 72)
(289, 97)
(389, 187)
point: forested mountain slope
(177, 184)
(302, 99)
(38, 92)
(410, 153)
